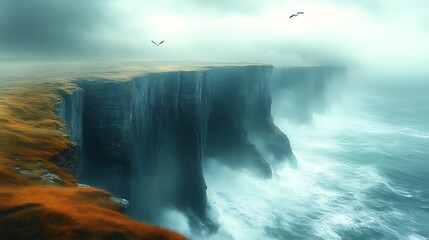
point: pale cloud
(374, 35)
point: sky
(376, 35)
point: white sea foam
(175, 220)
(322, 198)
(322, 195)
(416, 237)
(331, 194)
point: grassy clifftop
(38, 199)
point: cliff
(140, 130)
(299, 92)
(38, 199)
(145, 138)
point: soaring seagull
(296, 14)
(157, 44)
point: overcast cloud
(377, 35)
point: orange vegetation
(42, 212)
(33, 208)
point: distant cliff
(145, 139)
(298, 92)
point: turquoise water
(363, 173)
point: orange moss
(30, 135)
(50, 212)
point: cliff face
(168, 116)
(39, 199)
(145, 139)
(71, 114)
(241, 131)
(298, 92)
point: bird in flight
(296, 14)
(157, 44)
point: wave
(340, 188)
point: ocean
(362, 173)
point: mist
(379, 38)
(205, 152)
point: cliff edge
(138, 130)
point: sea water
(362, 173)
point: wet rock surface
(45, 175)
(123, 203)
(146, 139)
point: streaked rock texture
(145, 139)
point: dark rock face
(169, 127)
(145, 139)
(241, 131)
(70, 111)
(106, 147)
(301, 91)
(69, 158)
